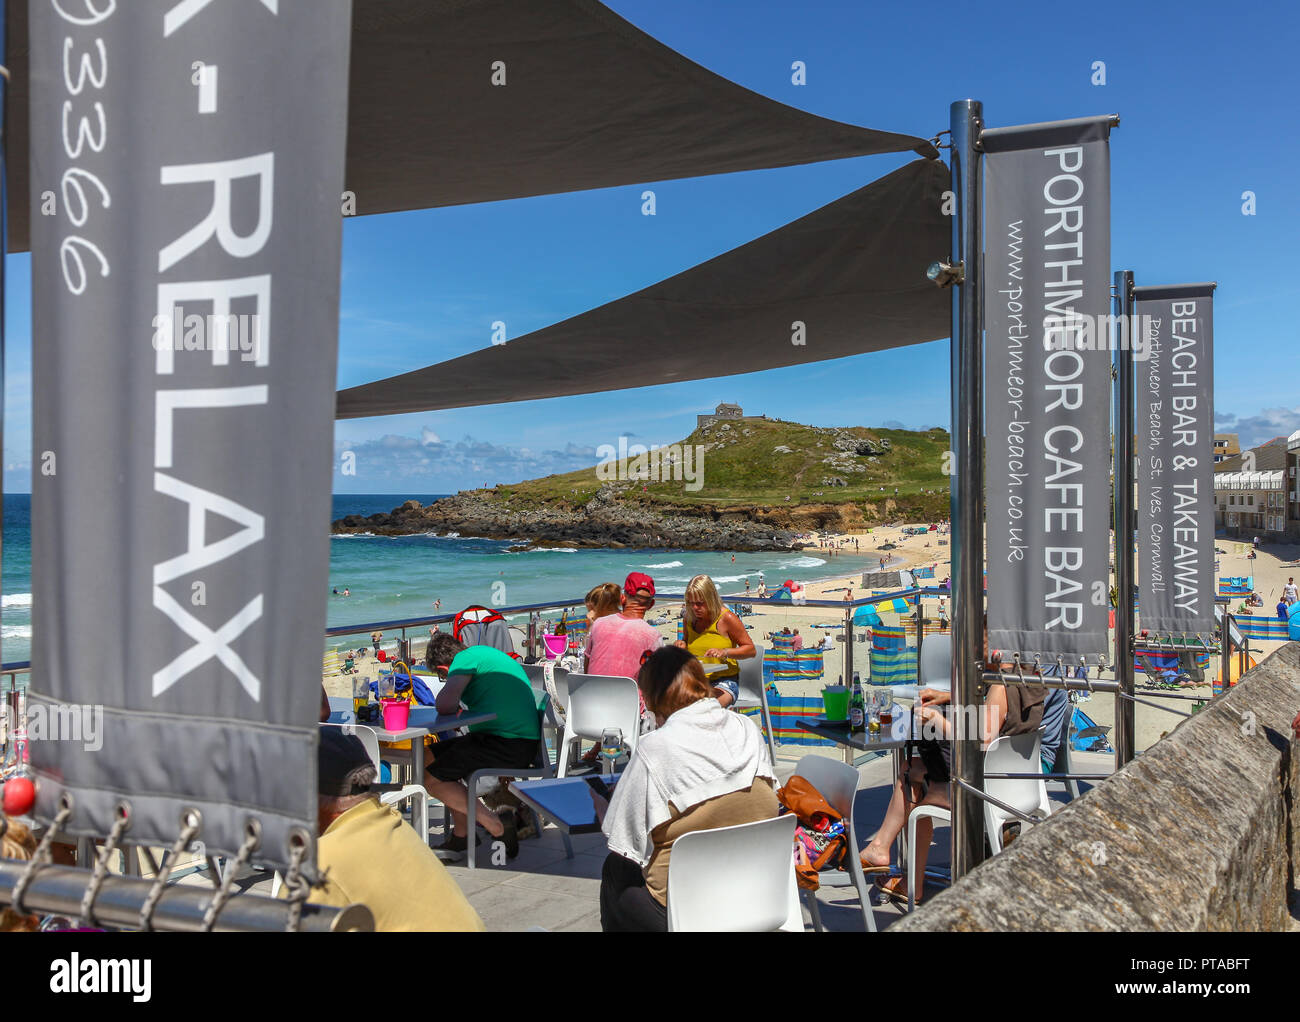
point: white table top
(424, 720)
(405, 735)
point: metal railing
(60, 890)
(401, 625)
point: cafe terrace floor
(542, 889)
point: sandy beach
(1270, 568)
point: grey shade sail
(589, 101)
(852, 272)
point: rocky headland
(604, 521)
(749, 483)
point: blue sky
(1202, 90)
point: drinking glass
(886, 707)
(611, 747)
(873, 715)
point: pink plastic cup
(397, 714)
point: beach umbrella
(867, 616)
(1293, 621)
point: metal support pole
(1226, 655)
(848, 667)
(1125, 396)
(4, 214)
(967, 487)
(920, 635)
(848, 646)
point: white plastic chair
(597, 702)
(939, 815)
(1011, 754)
(735, 879)
(414, 792)
(1014, 754)
(754, 693)
(838, 784)
(935, 669)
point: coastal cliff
(745, 484)
(601, 522)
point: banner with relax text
(1175, 458)
(187, 161)
(1047, 387)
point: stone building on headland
(723, 412)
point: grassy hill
(754, 461)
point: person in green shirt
(484, 680)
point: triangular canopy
(588, 101)
(852, 273)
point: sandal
(895, 889)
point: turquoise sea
(401, 576)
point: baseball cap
(638, 580)
(338, 757)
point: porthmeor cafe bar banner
(1047, 386)
(186, 167)
(1175, 457)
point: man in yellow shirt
(367, 853)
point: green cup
(835, 698)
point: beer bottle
(857, 708)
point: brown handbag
(816, 848)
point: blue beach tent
(1293, 621)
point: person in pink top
(615, 643)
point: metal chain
(298, 887)
(223, 892)
(160, 878)
(41, 857)
(101, 866)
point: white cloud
(429, 464)
(1253, 430)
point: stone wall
(1200, 832)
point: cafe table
(423, 720)
(893, 741)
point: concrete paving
(543, 888)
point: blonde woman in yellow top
(716, 636)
